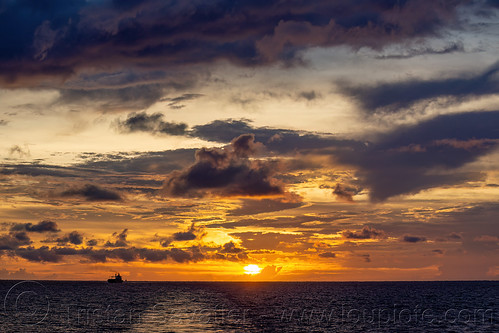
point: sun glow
(252, 269)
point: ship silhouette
(115, 279)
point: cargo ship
(115, 279)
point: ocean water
(63, 306)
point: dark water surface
(63, 306)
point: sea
(76, 306)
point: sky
(249, 140)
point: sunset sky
(187, 140)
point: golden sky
(324, 141)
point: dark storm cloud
(231, 247)
(40, 227)
(405, 160)
(493, 3)
(21, 237)
(152, 123)
(13, 240)
(412, 158)
(461, 127)
(226, 130)
(398, 96)
(61, 38)
(119, 239)
(163, 241)
(366, 233)
(230, 251)
(17, 244)
(345, 192)
(115, 173)
(184, 236)
(278, 140)
(413, 239)
(92, 193)
(225, 171)
(59, 254)
(194, 232)
(41, 254)
(74, 237)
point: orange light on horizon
(252, 269)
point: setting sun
(252, 269)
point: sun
(252, 269)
